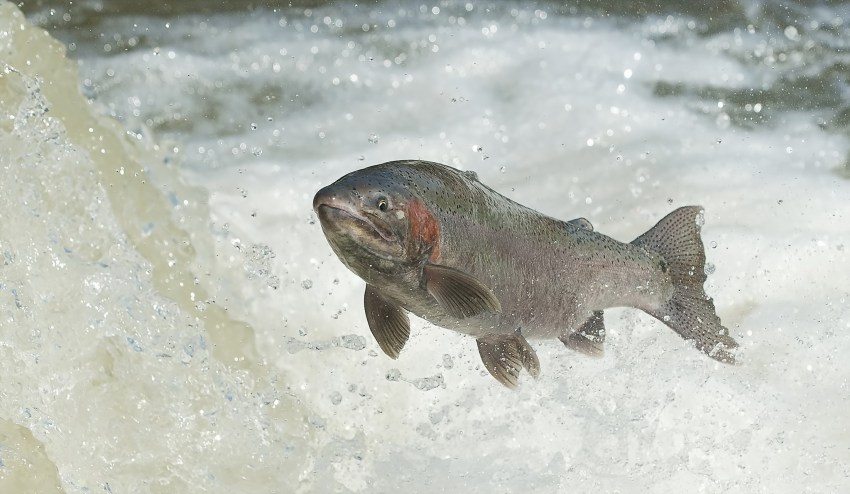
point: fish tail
(689, 311)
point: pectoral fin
(458, 293)
(389, 323)
(588, 339)
(505, 355)
(581, 223)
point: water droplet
(792, 33)
(307, 284)
(134, 344)
(373, 138)
(352, 342)
(428, 383)
(393, 375)
(336, 398)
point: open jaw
(366, 231)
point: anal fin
(589, 338)
(505, 356)
(388, 322)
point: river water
(172, 319)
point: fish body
(434, 241)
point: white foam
(314, 405)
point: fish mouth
(345, 220)
(342, 220)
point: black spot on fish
(663, 265)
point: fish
(433, 241)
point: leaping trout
(434, 241)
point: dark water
(172, 319)
(799, 50)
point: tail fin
(690, 312)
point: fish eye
(383, 204)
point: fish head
(374, 221)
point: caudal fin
(690, 312)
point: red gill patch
(424, 229)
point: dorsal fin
(581, 223)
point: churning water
(172, 319)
